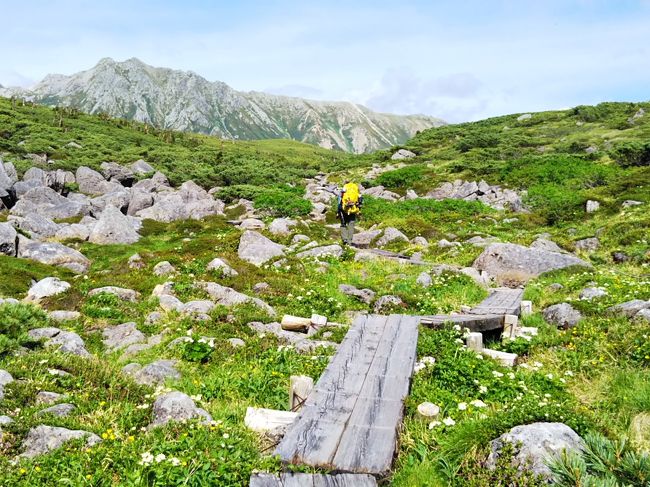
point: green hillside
(594, 377)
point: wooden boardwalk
(502, 301)
(312, 480)
(350, 421)
(487, 315)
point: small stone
(122, 293)
(420, 242)
(50, 286)
(163, 268)
(153, 317)
(643, 315)
(424, 280)
(629, 308)
(386, 303)
(592, 206)
(363, 295)
(236, 342)
(620, 257)
(43, 439)
(59, 410)
(556, 286)
(261, 288)
(221, 266)
(46, 397)
(176, 406)
(590, 293)
(62, 315)
(562, 315)
(135, 262)
(121, 336)
(156, 373)
(587, 244)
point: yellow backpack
(350, 198)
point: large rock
(61, 315)
(562, 315)
(363, 295)
(504, 260)
(629, 308)
(221, 266)
(68, 342)
(335, 251)
(43, 439)
(257, 249)
(391, 235)
(226, 296)
(120, 174)
(93, 183)
(120, 199)
(50, 286)
(153, 374)
(35, 225)
(587, 244)
(403, 154)
(387, 303)
(113, 227)
(536, 444)
(50, 204)
(166, 208)
(123, 293)
(364, 239)
(55, 254)
(72, 231)
(8, 238)
(176, 406)
(282, 226)
(5, 378)
(140, 200)
(59, 410)
(121, 336)
(141, 167)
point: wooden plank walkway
(502, 301)
(350, 421)
(312, 480)
(476, 323)
(487, 315)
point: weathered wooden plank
(501, 301)
(368, 442)
(350, 420)
(476, 323)
(311, 480)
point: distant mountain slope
(181, 100)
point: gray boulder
(643, 315)
(387, 303)
(170, 303)
(176, 406)
(63, 315)
(587, 244)
(140, 167)
(391, 235)
(47, 397)
(122, 293)
(59, 410)
(140, 200)
(335, 251)
(562, 315)
(503, 260)
(117, 173)
(35, 225)
(252, 224)
(43, 439)
(50, 286)
(153, 374)
(424, 280)
(282, 226)
(221, 266)
(121, 336)
(48, 203)
(68, 342)
(113, 227)
(198, 307)
(43, 333)
(363, 295)
(166, 208)
(72, 231)
(8, 238)
(629, 308)
(257, 249)
(589, 293)
(548, 245)
(163, 268)
(55, 254)
(403, 154)
(93, 183)
(364, 239)
(120, 199)
(536, 444)
(226, 296)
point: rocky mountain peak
(184, 100)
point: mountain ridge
(184, 100)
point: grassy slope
(608, 357)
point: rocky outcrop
(113, 227)
(510, 261)
(493, 196)
(55, 254)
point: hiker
(349, 208)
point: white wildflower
(433, 424)
(146, 458)
(160, 457)
(496, 373)
(462, 406)
(482, 389)
(449, 421)
(477, 403)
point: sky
(459, 60)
